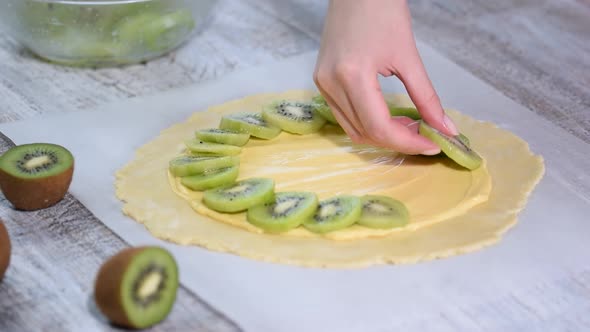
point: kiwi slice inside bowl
(137, 287)
(293, 116)
(335, 213)
(5, 249)
(36, 176)
(289, 210)
(453, 147)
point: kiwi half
(36, 176)
(137, 287)
(251, 123)
(453, 147)
(192, 165)
(383, 212)
(335, 213)
(5, 249)
(293, 116)
(240, 196)
(200, 147)
(211, 178)
(289, 210)
(223, 136)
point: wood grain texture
(56, 254)
(534, 51)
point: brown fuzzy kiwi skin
(35, 194)
(5, 249)
(107, 292)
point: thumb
(422, 93)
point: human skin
(364, 39)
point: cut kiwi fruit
(5, 249)
(293, 116)
(383, 212)
(321, 107)
(289, 210)
(335, 213)
(137, 287)
(453, 147)
(223, 136)
(211, 178)
(240, 196)
(251, 123)
(192, 165)
(410, 112)
(36, 176)
(200, 147)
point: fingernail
(431, 152)
(450, 125)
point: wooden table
(536, 52)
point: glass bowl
(102, 32)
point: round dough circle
(144, 186)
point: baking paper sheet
(550, 241)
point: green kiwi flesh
(223, 136)
(289, 210)
(251, 123)
(200, 147)
(5, 249)
(383, 212)
(453, 147)
(240, 196)
(211, 178)
(335, 213)
(36, 176)
(321, 107)
(409, 112)
(137, 287)
(295, 117)
(192, 165)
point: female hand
(362, 39)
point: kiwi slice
(240, 196)
(453, 147)
(409, 112)
(251, 123)
(321, 107)
(137, 287)
(289, 210)
(5, 249)
(223, 136)
(192, 165)
(200, 147)
(293, 116)
(36, 176)
(383, 212)
(335, 213)
(211, 178)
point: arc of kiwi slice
(293, 116)
(453, 147)
(211, 178)
(321, 107)
(383, 212)
(240, 196)
(223, 136)
(251, 123)
(335, 213)
(137, 287)
(198, 146)
(289, 210)
(36, 176)
(410, 112)
(5, 249)
(192, 165)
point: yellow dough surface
(452, 209)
